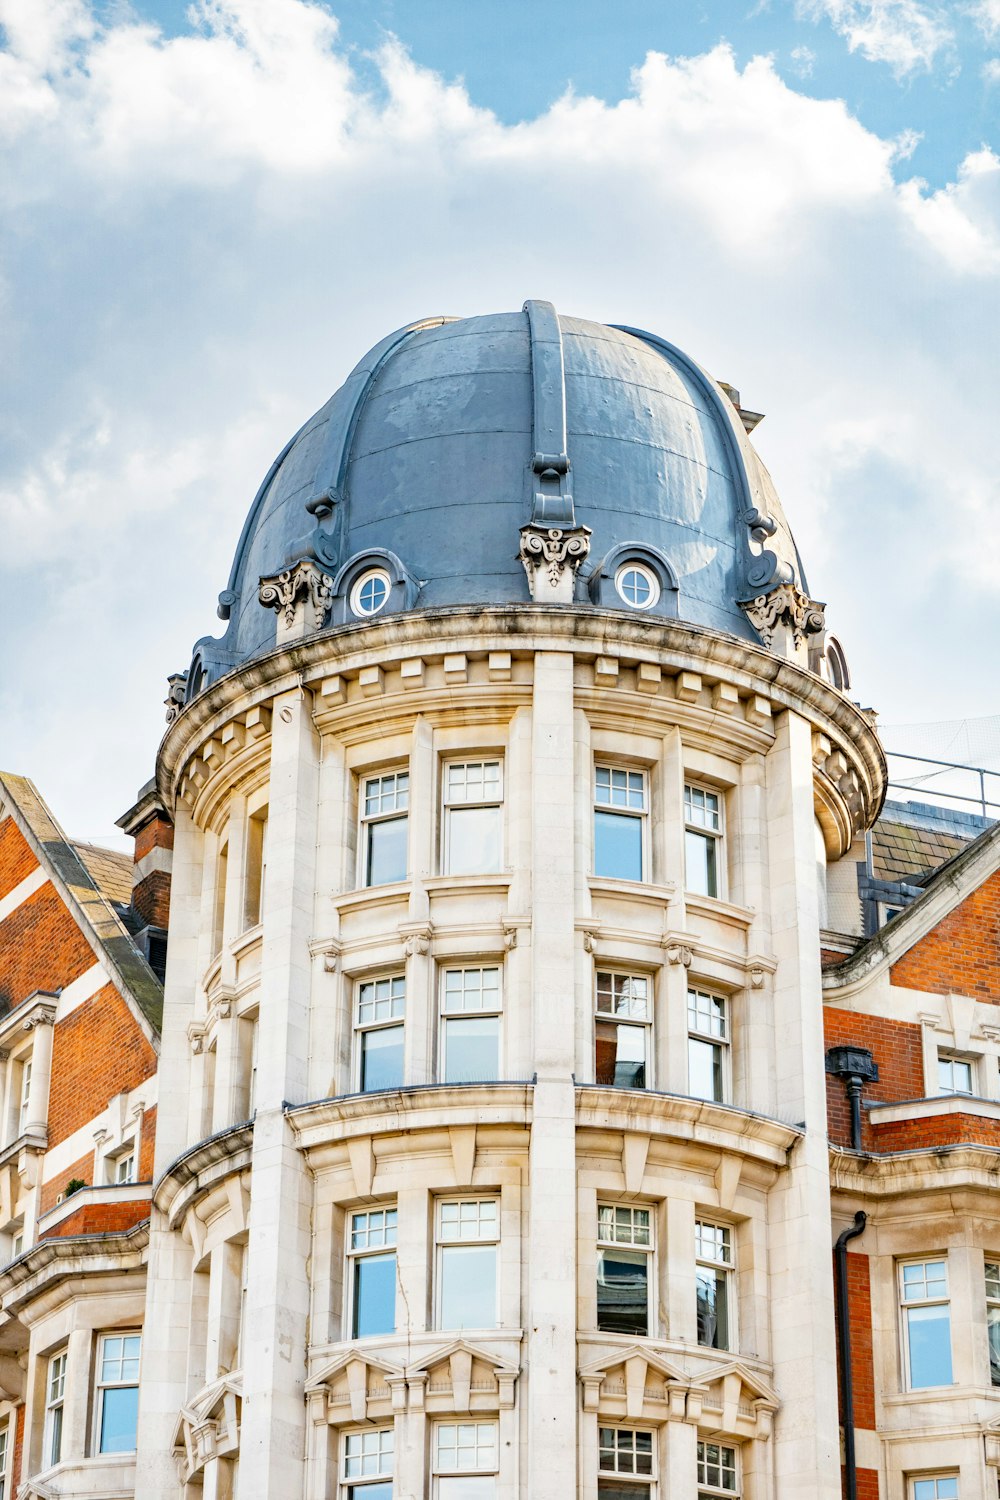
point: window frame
(23, 1064)
(6, 1452)
(369, 575)
(52, 1436)
(948, 1058)
(445, 1015)
(716, 837)
(912, 1480)
(615, 1018)
(634, 1245)
(992, 1302)
(904, 1304)
(441, 1245)
(723, 1043)
(127, 1154)
(638, 815)
(353, 1255)
(367, 821)
(361, 1029)
(439, 1471)
(101, 1386)
(704, 1488)
(255, 867)
(351, 1485)
(624, 1476)
(725, 1269)
(448, 805)
(649, 577)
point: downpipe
(844, 1349)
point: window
(702, 841)
(55, 1392)
(25, 1100)
(17, 1244)
(379, 1032)
(708, 1046)
(622, 1030)
(716, 1471)
(940, 1487)
(371, 592)
(256, 872)
(993, 1318)
(122, 1167)
(619, 823)
(368, 1459)
(118, 1392)
(470, 1025)
(955, 1074)
(4, 1459)
(473, 816)
(465, 1460)
(638, 586)
(468, 1237)
(384, 802)
(624, 1266)
(219, 905)
(372, 1272)
(627, 1454)
(923, 1293)
(713, 1250)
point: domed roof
(452, 434)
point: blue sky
(210, 213)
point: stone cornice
(676, 1117)
(906, 1174)
(201, 1168)
(420, 1107)
(53, 1260)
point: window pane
(119, 1412)
(469, 1487)
(617, 846)
(700, 864)
(611, 1489)
(993, 1333)
(386, 851)
(929, 1334)
(472, 1049)
(713, 1308)
(374, 1296)
(55, 1434)
(473, 841)
(705, 1069)
(382, 1059)
(620, 1055)
(468, 1286)
(380, 1491)
(623, 1291)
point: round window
(637, 585)
(371, 592)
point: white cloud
(209, 230)
(803, 61)
(986, 14)
(907, 35)
(991, 70)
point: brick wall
(867, 1484)
(98, 1051)
(962, 953)
(147, 1145)
(157, 833)
(151, 898)
(18, 1449)
(82, 1170)
(936, 1130)
(896, 1047)
(41, 948)
(100, 1218)
(859, 1304)
(16, 858)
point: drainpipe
(856, 1066)
(844, 1349)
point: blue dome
(431, 456)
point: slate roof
(110, 870)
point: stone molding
(209, 1426)
(786, 605)
(551, 558)
(360, 1385)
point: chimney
(149, 824)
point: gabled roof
(86, 879)
(952, 884)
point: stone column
(42, 1025)
(550, 1383)
(273, 1442)
(806, 1437)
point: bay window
(468, 1235)
(473, 817)
(117, 1404)
(55, 1396)
(620, 816)
(993, 1318)
(622, 1025)
(702, 841)
(385, 805)
(368, 1463)
(378, 1028)
(926, 1319)
(717, 1471)
(625, 1463)
(465, 1460)
(371, 1257)
(708, 1046)
(624, 1268)
(470, 1025)
(713, 1281)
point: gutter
(844, 1350)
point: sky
(209, 212)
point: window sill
(466, 885)
(396, 892)
(247, 938)
(931, 1106)
(719, 910)
(632, 890)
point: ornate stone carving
(786, 605)
(679, 953)
(176, 690)
(551, 557)
(43, 1015)
(306, 582)
(417, 943)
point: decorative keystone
(301, 596)
(551, 557)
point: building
(515, 834)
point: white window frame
(932, 1479)
(620, 1475)
(694, 813)
(6, 1448)
(24, 1100)
(363, 1028)
(367, 820)
(357, 606)
(705, 1488)
(442, 1468)
(451, 802)
(719, 1257)
(702, 1033)
(626, 810)
(485, 1012)
(55, 1402)
(905, 1303)
(648, 576)
(355, 1253)
(622, 1214)
(126, 1159)
(367, 1442)
(629, 1014)
(443, 1242)
(991, 1278)
(946, 1061)
(101, 1385)
(255, 867)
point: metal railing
(988, 806)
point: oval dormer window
(371, 592)
(637, 585)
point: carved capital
(551, 557)
(176, 689)
(306, 582)
(417, 943)
(785, 605)
(44, 1015)
(679, 953)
